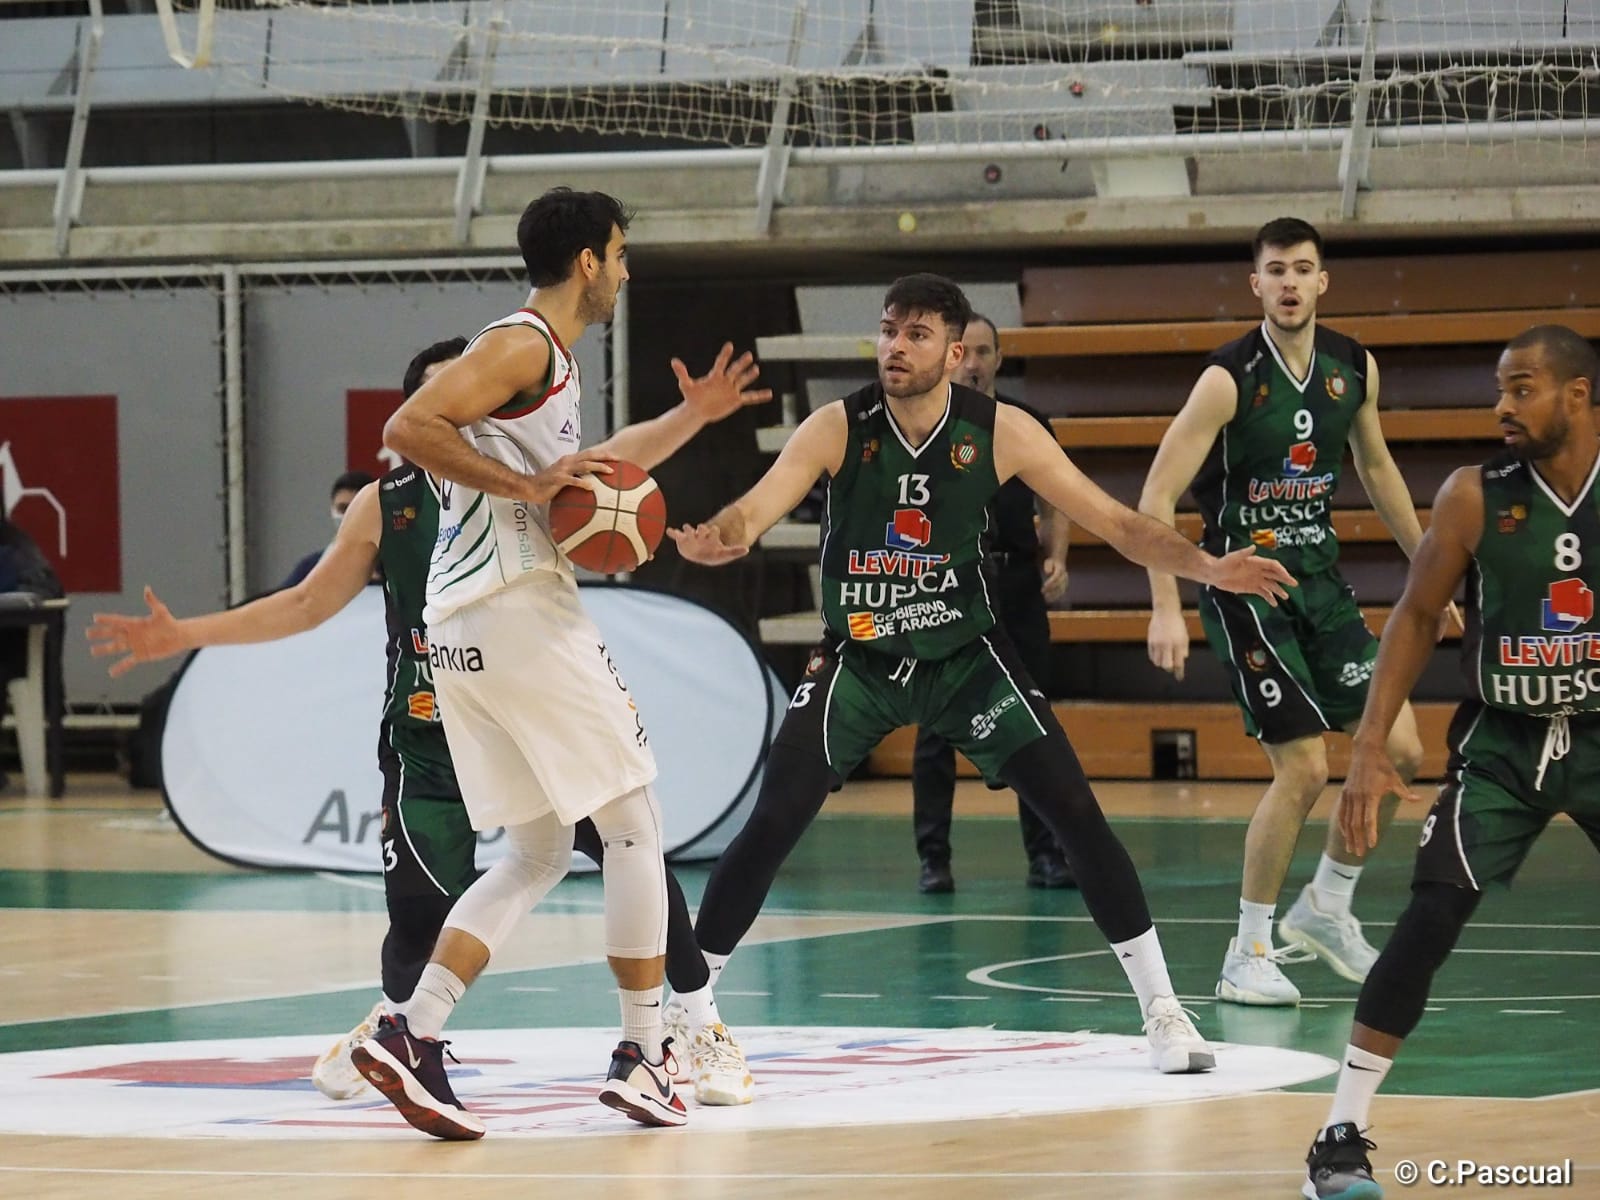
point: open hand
(138, 639)
(1371, 777)
(703, 544)
(725, 388)
(566, 471)
(1250, 574)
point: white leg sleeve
(537, 857)
(635, 875)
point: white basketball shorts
(537, 717)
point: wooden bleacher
(1114, 740)
(1113, 350)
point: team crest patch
(1507, 518)
(541, 1083)
(1336, 384)
(963, 454)
(815, 662)
(1262, 393)
(1267, 539)
(869, 450)
(1256, 658)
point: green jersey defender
(902, 549)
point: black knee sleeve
(1396, 990)
(586, 840)
(414, 924)
(1047, 776)
(793, 788)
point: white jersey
(485, 542)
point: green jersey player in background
(1260, 443)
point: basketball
(614, 527)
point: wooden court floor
(117, 932)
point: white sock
(1359, 1079)
(1333, 886)
(641, 1020)
(430, 1005)
(1145, 966)
(715, 963)
(1255, 927)
(701, 1007)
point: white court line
(849, 995)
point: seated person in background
(23, 569)
(342, 493)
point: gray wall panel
(157, 352)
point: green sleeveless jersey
(1270, 476)
(902, 548)
(412, 728)
(1533, 644)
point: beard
(599, 303)
(914, 383)
(1547, 445)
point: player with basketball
(542, 729)
(428, 843)
(912, 462)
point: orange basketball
(614, 527)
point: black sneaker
(409, 1071)
(1050, 871)
(643, 1090)
(1337, 1166)
(935, 878)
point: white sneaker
(721, 1076)
(1336, 938)
(1254, 977)
(334, 1075)
(1176, 1047)
(675, 1028)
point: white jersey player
(541, 728)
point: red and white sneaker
(641, 1090)
(409, 1071)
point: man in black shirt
(1021, 603)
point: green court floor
(1513, 1012)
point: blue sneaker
(1337, 1166)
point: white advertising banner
(270, 750)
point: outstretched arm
(817, 448)
(1021, 448)
(1211, 405)
(720, 392)
(340, 574)
(1437, 567)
